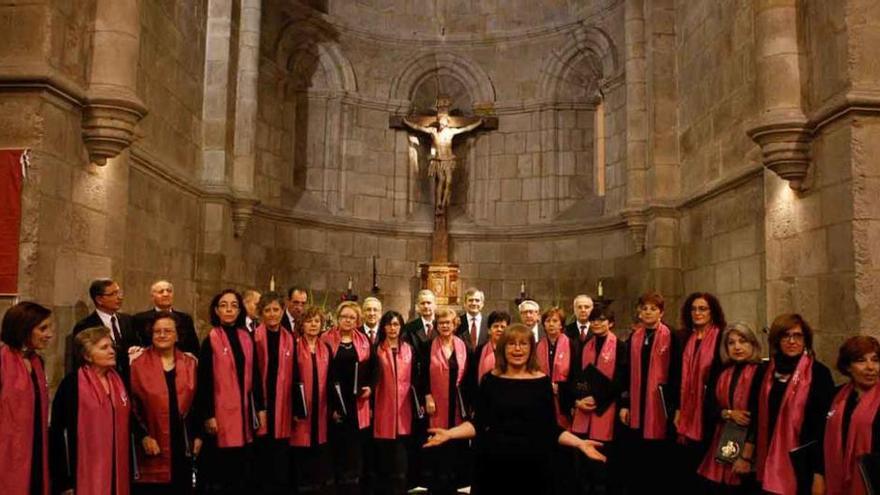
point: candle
(272, 283)
(349, 284)
(600, 289)
(522, 287)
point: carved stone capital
(637, 223)
(242, 211)
(785, 149)
(109, 126)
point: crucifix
(441, 276)
(442, 128)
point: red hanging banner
(12, 169)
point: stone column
(781, 128)
(215, 93)
(112, 108)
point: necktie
(429, 330)
(117, 336)
(370, 335)
(473, 332)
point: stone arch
(422, 66)
(581, 67)
(305, 37)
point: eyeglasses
(441, 323)
(117, 292)
(347, 317)
(793, 337)
(518, 343)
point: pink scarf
(598, 427)
(841, 473)
(439, 378)
(774, 465)
(362, 347)
(561, 364)
(658, 374)
(696, 364)
(710, 468)
(101, 419)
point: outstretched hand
(438, 437)
(589, 448)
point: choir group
(277, 399)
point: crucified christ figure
(442, 128)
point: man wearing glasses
(107, 297)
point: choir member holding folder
(446, 364)
(652, 397)
(229, 397)
(311, 457)
(274, 345)
(852, 431)
(24, 461)
(603, 375)
(727, 464)
(702, 322)
(394, 375)
(163, 386)
(349, 382)
(794, 398)
(89, 440)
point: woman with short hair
(230, 397)
(163, 386)
(89, 441)
(853, 426)
(442, 386)
(311, 457)
(514, 425)
(349, 381)
(484, 354)
(794, 398)
(557, 358)
(274, 346)
(24, 450)
(735, 397)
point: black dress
(516, 431)
(346, 441)
(273, 455)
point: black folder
(339, 399)
(593, 382)
(731, 442)
(300, 406)
(462, 407)
(356, 391)
(664, 400)
(802, 462)
(417, 405)
(869, 469)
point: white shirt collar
(535, 332)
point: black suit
(126, 329)
(573, 332)
(464, 331)
(416, 335)
(187, 339)
(287, 322)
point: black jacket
(187, 339)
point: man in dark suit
(473, 328)
(107, 297)
(420, 330)
(530, 316)
(372, 309)
(162, 294)
(580, 328)
(297, 298)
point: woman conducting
(163, 385)
(514, 424)
(24, 454)
(89, 435)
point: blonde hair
(448, 313)
(745, 331)
(515, 332)
(352, 306)
(87, 339)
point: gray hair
(745, 331)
